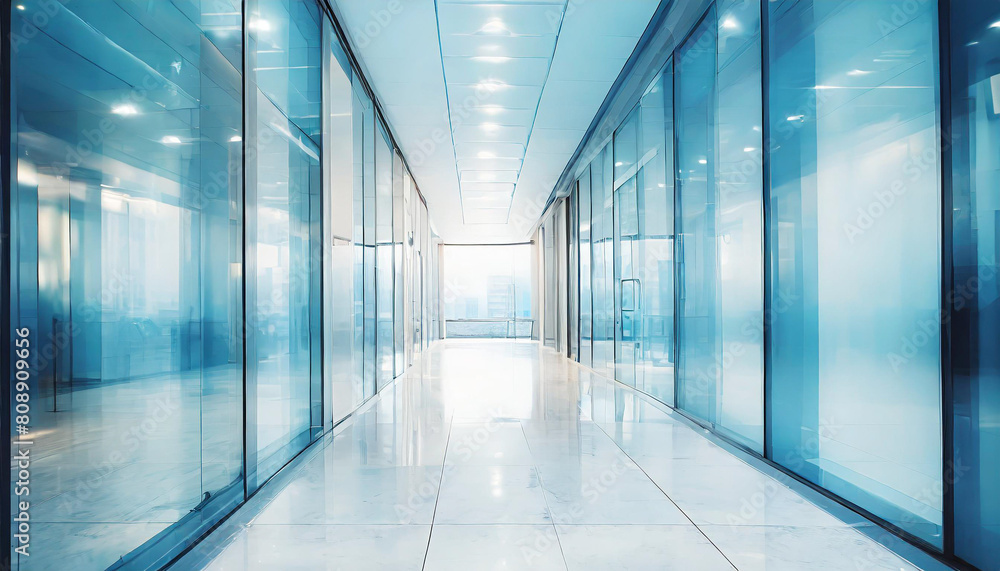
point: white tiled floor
(504, 455)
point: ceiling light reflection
(125, 109)
(494, 26)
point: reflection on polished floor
(506, 455)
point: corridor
(504, 455)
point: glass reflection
(128, 221)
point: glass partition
(127, 219)
(698, 337)
(856, 268)
(197, 260)
(586, 271)
(975, 101)
(655, 210)
(342, 321)
(384, 270)
(287, 51)
(740, 223)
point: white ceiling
(489, 100)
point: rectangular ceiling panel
(499, 150)
(468, 113)
(488, 70)
(493, 46)
(513, 96)
(499, 19)
(490, 133)
(487, 176)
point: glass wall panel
(384, 286)
(975, 101)
(489, 291)
(409, 310)
(655, 206)
(603, 351)
(698, 336)
(549, 284)
(586, 272)
(127, 223)
(573, 275)
(855, 234)
(341, 320)
(740, 222)
(287, 57)
(370, 353)
(627, 266)
(398, 289)
(720, 223)
(608, 245)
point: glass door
(628, 286)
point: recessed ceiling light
(490, 126)
(858, 72)
(492, 109)
(702, 161)
(125, 109)
(729, 24)
(235, 139)
(749, 149)
(486, 155)
(995, 24)
(619, 163)
(170, 140)
(796, 117)
(20, 6)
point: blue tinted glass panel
(288, 37)
(586, 263)
(855, 234)
(975, 70)
(655, 209)
(127, 214)
(697, 249)
(740, 229)
(287, 312)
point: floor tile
(488, 444)
(361, 496)
(772, 548)
(494, 548)
(326, 547)
(491, 494)
(639, 548)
